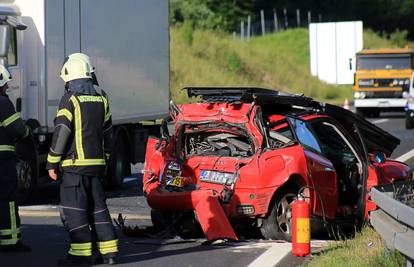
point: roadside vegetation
(279, 61)
(366, 249)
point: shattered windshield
(223, 140)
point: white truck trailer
(128, 42)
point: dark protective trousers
(9, 215)
(85, 216)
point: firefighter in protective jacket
(80, 145)
(12, 129)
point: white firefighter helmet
(83, 57)
(4, 76)
(75, 68)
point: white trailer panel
(128, 43)
(332, 50)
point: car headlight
(405, 94)
(366, 82)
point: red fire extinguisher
(300, 227)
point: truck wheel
(120, 167)
(26, 182)
(409, 124)
(278, 225)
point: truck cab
(381, 78)
(128, 48)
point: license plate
(177, 181)
(216, 177)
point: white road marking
(55, 213)
(38, 207)
(129, 179)
(380, 121)
(272, 256)
(406, 157)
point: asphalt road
(42, 228)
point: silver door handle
(329, 169)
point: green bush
(399, 38)
(234, 62)
(188, 33)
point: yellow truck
(382, 80)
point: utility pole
(249, 23)
(298, 17)
(286, 20)
(309, 17)
(275, 20)
(242, 30)
(263, 21)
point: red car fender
(280, 166)
(384, 173)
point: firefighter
(80, 146)
(12, 129)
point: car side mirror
(379, 157)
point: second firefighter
(81, 141)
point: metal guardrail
(394, 220)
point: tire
(161, 220)
(278, 225)
(26, 183)
(409, 123)
(120, 166)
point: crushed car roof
(374, 137)
(247, 95)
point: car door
(321, 171)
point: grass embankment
(280, 61)
(366, 249)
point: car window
(305, 136)
(330, 141)
(279, 134)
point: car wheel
(120, 167)
(161, 220)
(409, 123)
(278, 225)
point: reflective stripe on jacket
(82, 134)
(12, 127)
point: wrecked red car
(240, 156)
